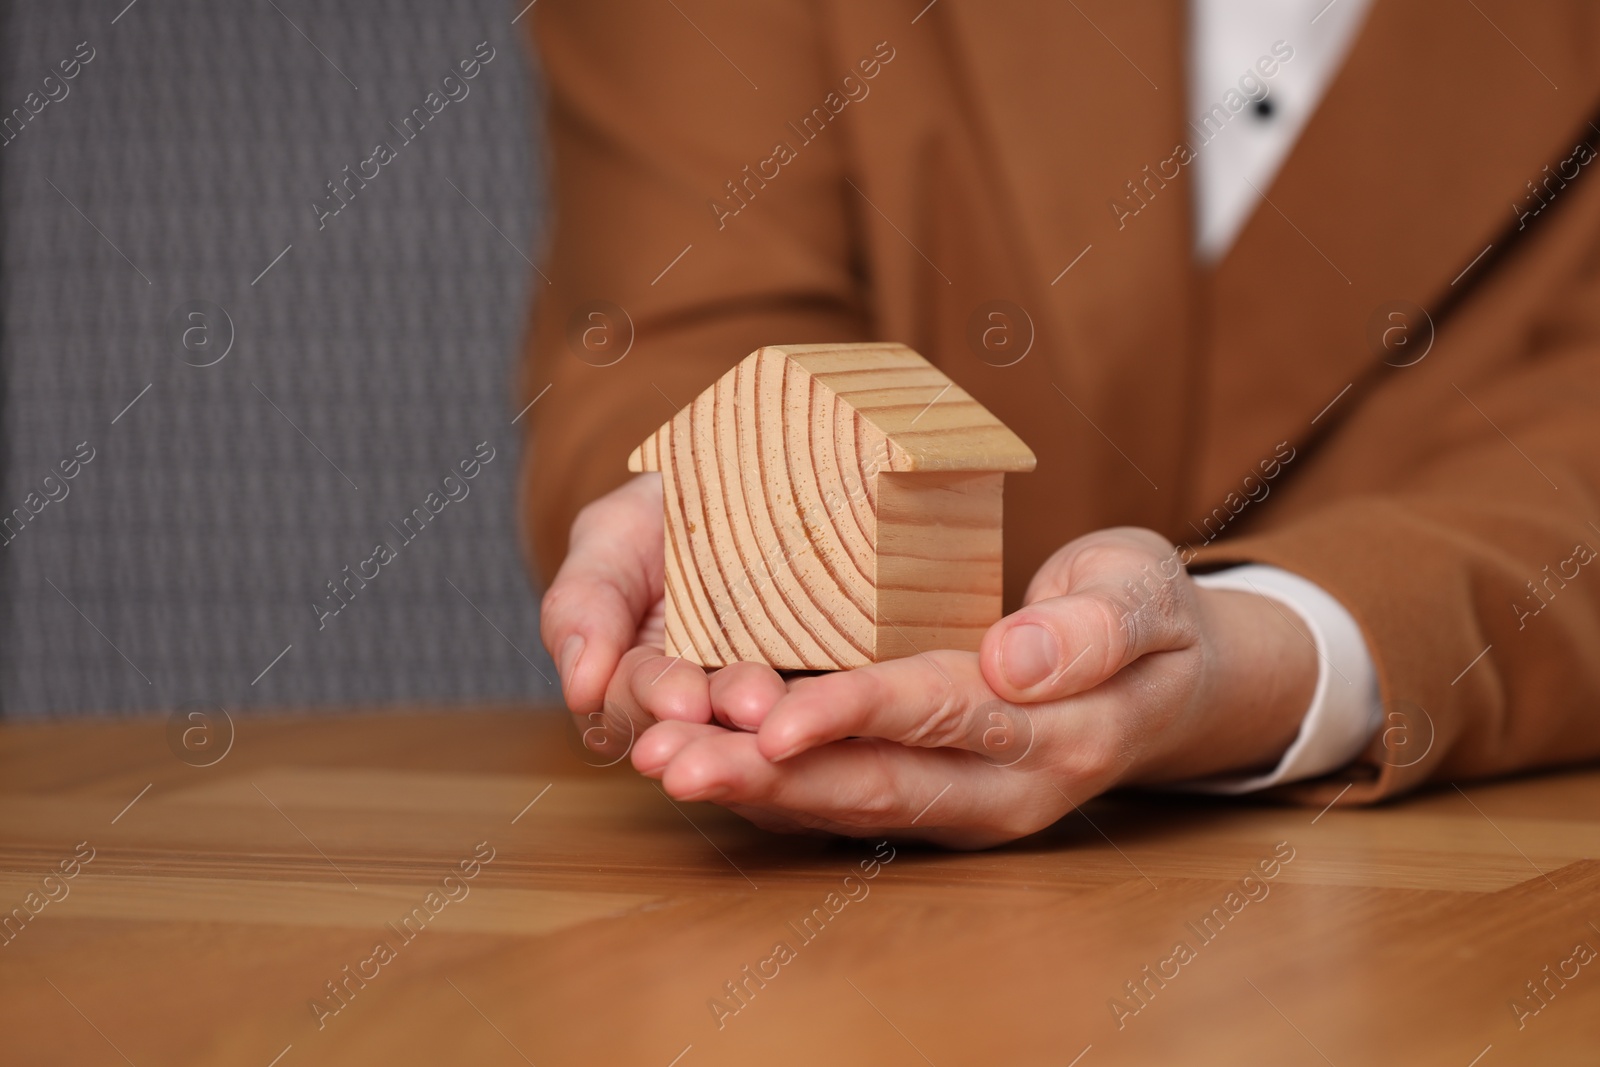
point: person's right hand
(603, 617)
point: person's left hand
(1113, 673)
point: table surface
(225, 906)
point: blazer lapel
(1413, 167)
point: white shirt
(1248, 104)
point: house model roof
(908, 412)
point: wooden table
(601, 923)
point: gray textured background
(189, 552)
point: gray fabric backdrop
(365, 364)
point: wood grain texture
(776, 547)
(938, 582)
(610, 917)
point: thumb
(1104, 620)
(604, 590)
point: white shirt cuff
(1346, 709)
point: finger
(743, 693)
(1114, 608)
(656, 747)
(611, 577)
(928, 701)
(670, 687)
(612, 727)
(861, 788)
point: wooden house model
(829, 506)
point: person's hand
(1119, 670)
(603, 614)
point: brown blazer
(1032, 154)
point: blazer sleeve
(1473, 573)
(650, 291)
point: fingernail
(716, 792)
(792, 745)
(1028, 655)
(745, 718)
(571, 652)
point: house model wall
(829, 506)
